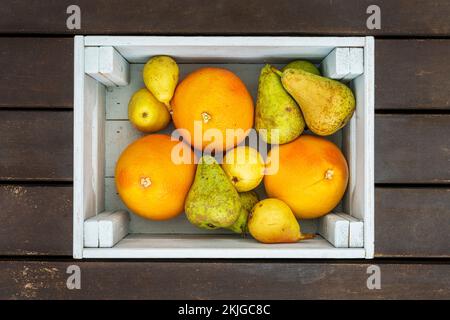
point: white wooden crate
(108, 71)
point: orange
(311, 178)
(149, 182)
(217, 99)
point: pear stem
(278, 72)
(306, 236)
(169, 107)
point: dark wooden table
(412, 151)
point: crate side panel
(226, 49)
(218, 246)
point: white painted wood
(336, 65)
(224, 246)
(356, 57)
(91, 230)
(357, 140)
(225, 49)
(349, 150)
(91, 66)
(369, 149)
(112, 228)
(78, 146)
(89, 106)
(98, 148)
(335, 229)
(113, 66)
(356, 231)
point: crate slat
(187, 280)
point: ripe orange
(149, 182)
(217, 99)
(311, 178)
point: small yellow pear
(245, 167)
(146, 113)
(161, 77)
(272, 221)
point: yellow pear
(146, 113)
(272, 221)
(161, 77)
(245, 168)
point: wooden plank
(36, 72)
(322, 17)
(412, 222)
(412, 74)
(210, 280)
(35, 220)
(36, 145)
(412, 148)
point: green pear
(278, 118)
(327, 105)
(212, 201)
(248, 200)
(302, 65)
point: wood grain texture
(412, 148)
(35, 220)
(322, 17)
(211, 280)
(408, 148)
(36, 72)
(412, 222)
(36, 145)
(412, 74)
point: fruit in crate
(312, 176)
(150, 181)
(212, 201)
(327, 105)
(272, 221)
(161, 77)
(278, 118)
(210, 101)
(245, 168)
(248, 201)
(302, 65)
(146, 113)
